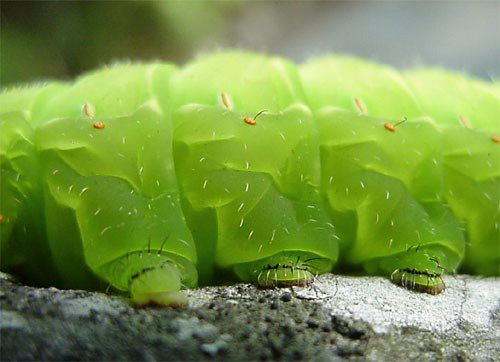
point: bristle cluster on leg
(421, 281)
(285, 275)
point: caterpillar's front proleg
(112, 193)
(158, 285)
(426, 278)
(284, 269)
(151, 276)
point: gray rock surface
(338, 317)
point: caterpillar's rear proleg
(419, 269)
(419, 280)
(397, 199)
(285, 269)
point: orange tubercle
(250, 121)
(98, 125)
(389, 126)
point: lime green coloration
(22, 238)
(386, 93)
(118, 184)
(255, 185)
(253, 82)
(471, 171)
(338, 80)
(448, 101)
(396, 199)
(448, 97)
(147, 177)
(251, 191)
(113, 91)
(17, 151)
(111, 194)
(32, 99)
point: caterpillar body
(154, 179)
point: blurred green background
(60, 39)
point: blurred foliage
(60, 39)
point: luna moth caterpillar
(240, 166)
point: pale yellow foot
(161, 299)
(158, 286)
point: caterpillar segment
(117, 185)
(399, 221)
(107, 191)
(254, 210)
(460, 110)
(254, 199)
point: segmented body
(147, 176)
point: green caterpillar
(240, 166)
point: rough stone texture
(338, 317)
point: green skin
(177, 187)
(463, 173)
(393, 200)
(253, 207)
